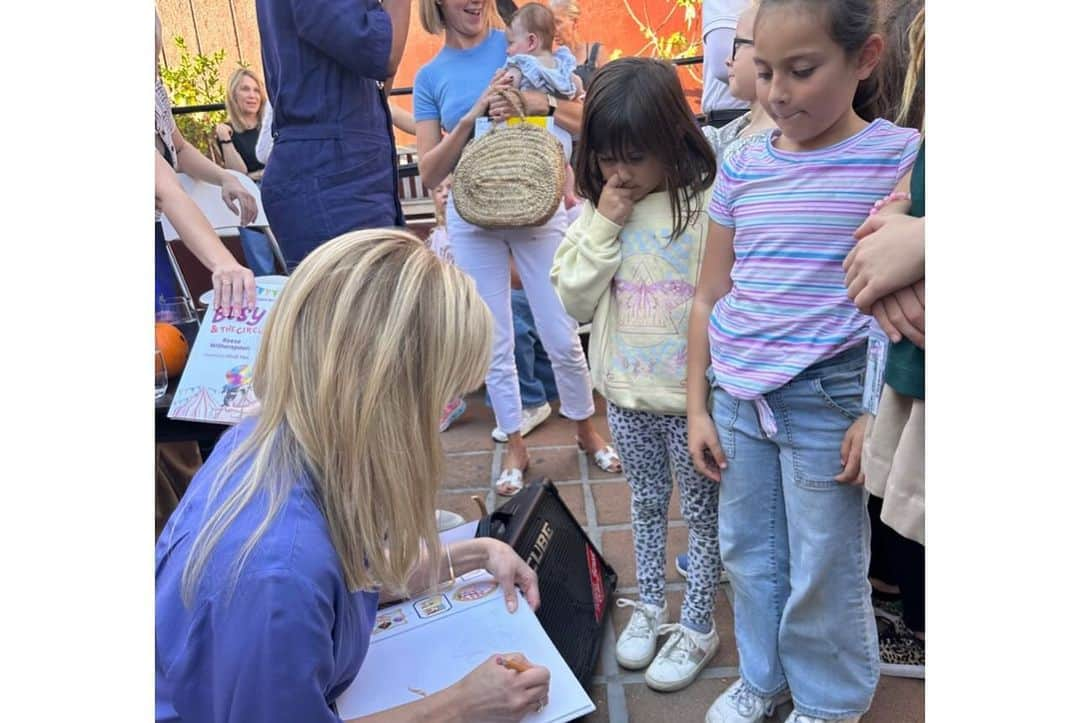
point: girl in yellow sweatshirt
(629, 265)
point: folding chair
(224, 221)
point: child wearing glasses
(742, 84)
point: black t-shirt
(245, 145)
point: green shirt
(905, 369)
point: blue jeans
(257, 253)
(535, 377)
(796, 543)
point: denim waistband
(854, 357)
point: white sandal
(512, 479)
(606, 458)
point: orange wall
(604, 21)
(208, 25)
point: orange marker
(512, 664)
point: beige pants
(894, 460)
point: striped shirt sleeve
(719, 204)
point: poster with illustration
(216, 384)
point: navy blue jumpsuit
(333, 167)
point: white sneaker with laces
(531, 418)
(797, 717)
(636, 645)
(738, 704)
(683, 656)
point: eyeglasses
(737, 42)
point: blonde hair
(232, 107)
(368, 340)
(570, 7)
(433, 23)
(911, 99)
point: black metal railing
(408, 170)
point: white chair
(224, 219)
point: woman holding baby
(451, 92)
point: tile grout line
(616, 703)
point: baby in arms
(533, 65)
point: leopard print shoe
(902, 654)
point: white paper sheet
(431, 642)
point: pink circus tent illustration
(201, 404)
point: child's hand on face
(616, 202)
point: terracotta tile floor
(601, 503)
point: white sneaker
(683, 656)
(797, 717)
(531, 418)
(738, 704)
(637, 642)
(445, 520)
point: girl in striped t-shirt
(788, 351)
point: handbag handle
(514, 97)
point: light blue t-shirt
(448, 85)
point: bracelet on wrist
(895, 196)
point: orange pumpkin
(173, 346)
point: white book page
(429, 643)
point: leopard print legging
(653, 448)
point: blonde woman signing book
(269, 573)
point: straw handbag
(512, 176)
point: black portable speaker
(576, 583)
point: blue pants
(535, 376)
(355, 188)
(257, 252)
(796, 543)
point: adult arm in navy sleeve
(364, 36)
(265, 653)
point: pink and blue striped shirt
(794, 215)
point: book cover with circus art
(216, 384)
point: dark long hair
(637, 105)
(849, 24)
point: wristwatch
(553, 103)
(223, 142)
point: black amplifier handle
(497, 524)
(494, 525)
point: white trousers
(485, 256)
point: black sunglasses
(737, 42)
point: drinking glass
(161, 375)
(178, 312)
